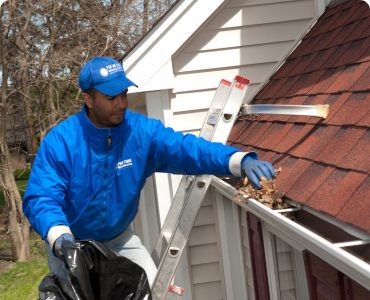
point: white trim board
(231, 247)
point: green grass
(22, 281)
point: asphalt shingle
(325, 163)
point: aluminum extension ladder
(188, 199)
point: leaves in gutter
(267, 195)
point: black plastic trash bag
(94, 272)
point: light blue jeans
(127, 244)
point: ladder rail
(172, 219)
(178, 203)
(179, 238)
(217, 127)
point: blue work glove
(254, 169)
(63, 244)
(76, 269)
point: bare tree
(43, 45)
(18, 225)
(54, 38)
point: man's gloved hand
(74, 275)
(63, 244)
(254, 168)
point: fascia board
(301, 237)
(154, 52)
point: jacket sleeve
(46, 189)
(178, 153)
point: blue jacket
(90, 178)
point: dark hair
(90, 92)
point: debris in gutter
(267, 195)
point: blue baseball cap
(104, 74)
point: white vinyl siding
(244, 13)
(246, 55)
(206, 291)
(231, 247)
(204, 255)
(286, 272)
(208, 81)
(248, 38)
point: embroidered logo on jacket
(124, 164)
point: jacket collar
(98, 136)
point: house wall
(204, 254)
(284, 262)
(248, 38)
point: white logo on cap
(110, 69)
(104, 72)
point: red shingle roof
(325, 163)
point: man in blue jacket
(89, 170)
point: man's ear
(88, 100)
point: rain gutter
(300, 236)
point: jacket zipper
(109, 138)
(105, 183)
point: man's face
(106, 111)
